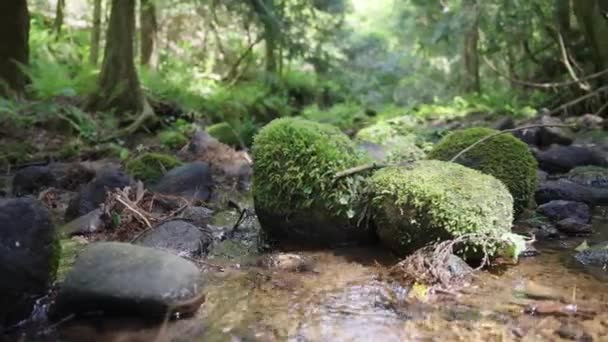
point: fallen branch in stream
(374, 166)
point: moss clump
(69, 249)
(433, 200)
(504, 157)
(294, 191)
(150, 167)
(381, 132)
(224, 133)
(172, 139)
(403, 149)
(594, 176)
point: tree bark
(14, 46)
(594, 25)
(95, 33)
(148, 30)
(264, 9)
(59, 15)
(562, 16)
(472, 81)
(118, 83)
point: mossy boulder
(593, 176)
(403, 149)
(433, 200)
(504, 157)
(150, 167)
(295, 195)
(172, 139)
(224, 133)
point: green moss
(594, 176)
(224, 133)
(403, 149)
(504, 157)
(295, 162)
(385, 130)
(433, 200)
(172, 139)
(12, 153)
(69, 251)
(150, 167)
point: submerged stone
(112, 278)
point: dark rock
(504, 123)
(592, 176)
(201, 141)
(198, 216)
(32, 179)
(71, 176)
(545, 232)
(561, 159)
(559, 210)
(193, 180)
(179, 237)
(590, 122)
(114, 278)
(28, 256)
(377, 152)
(563, 190)
(530, 136)
(92, 195)
(554, 135)
(595, 256)
(600, 196)
(89, 223)
(572, 226)
(542, 176)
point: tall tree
(118, 84)
(59, 15)
(265, 11)
(594, 23)
(472, 81)
(148, 30)
(95, 33)
(14, 48)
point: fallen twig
(133, 210)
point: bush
(172, 139)
(224, 133)
(504, 157)
(433, 200)
(295, 195)
(150, 167)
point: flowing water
(344, 297)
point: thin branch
(603, 108)
(359, 169)
(578, 100)
(238, 62)
(142, 216)
(543, 85)
(583, 85)
(484, 139)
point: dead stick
(134, 211)
(358, 169)
(480, 141)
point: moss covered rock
(224, 133)
(403, 149)
(504, 157)
(434, 200)
(172, 139)
(295, 195)
(593, 176)
(150, 167)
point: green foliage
(504, 157)
(346, 116)
(150, 167)
(14, 153)
(224, 133)
(403, 149)
(172, 139)
(295, 162)
(433, 200)
(385, 130)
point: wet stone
(193, 180)
(32, 179)
(572, 226)
(561, 159)
(595, 256)
(112, 278)
(179, 237)
(198, 216)
(563, 190)
(559, 210)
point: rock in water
(559, 210)
(29, 255)
(592, 176)
(572, 226)
(179, 237)
(32, 179)
(563, 190)
(190, 180)
(115, 278)
(94, 193)
(560, 159)
(554, 135)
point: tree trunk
(562, 16)
(148, 30)
(472, 81)
(59, 10)
(118, 84)
(265, 9)
(14, 46)
(95, 33)
(594, 25)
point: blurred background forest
(100, 70)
